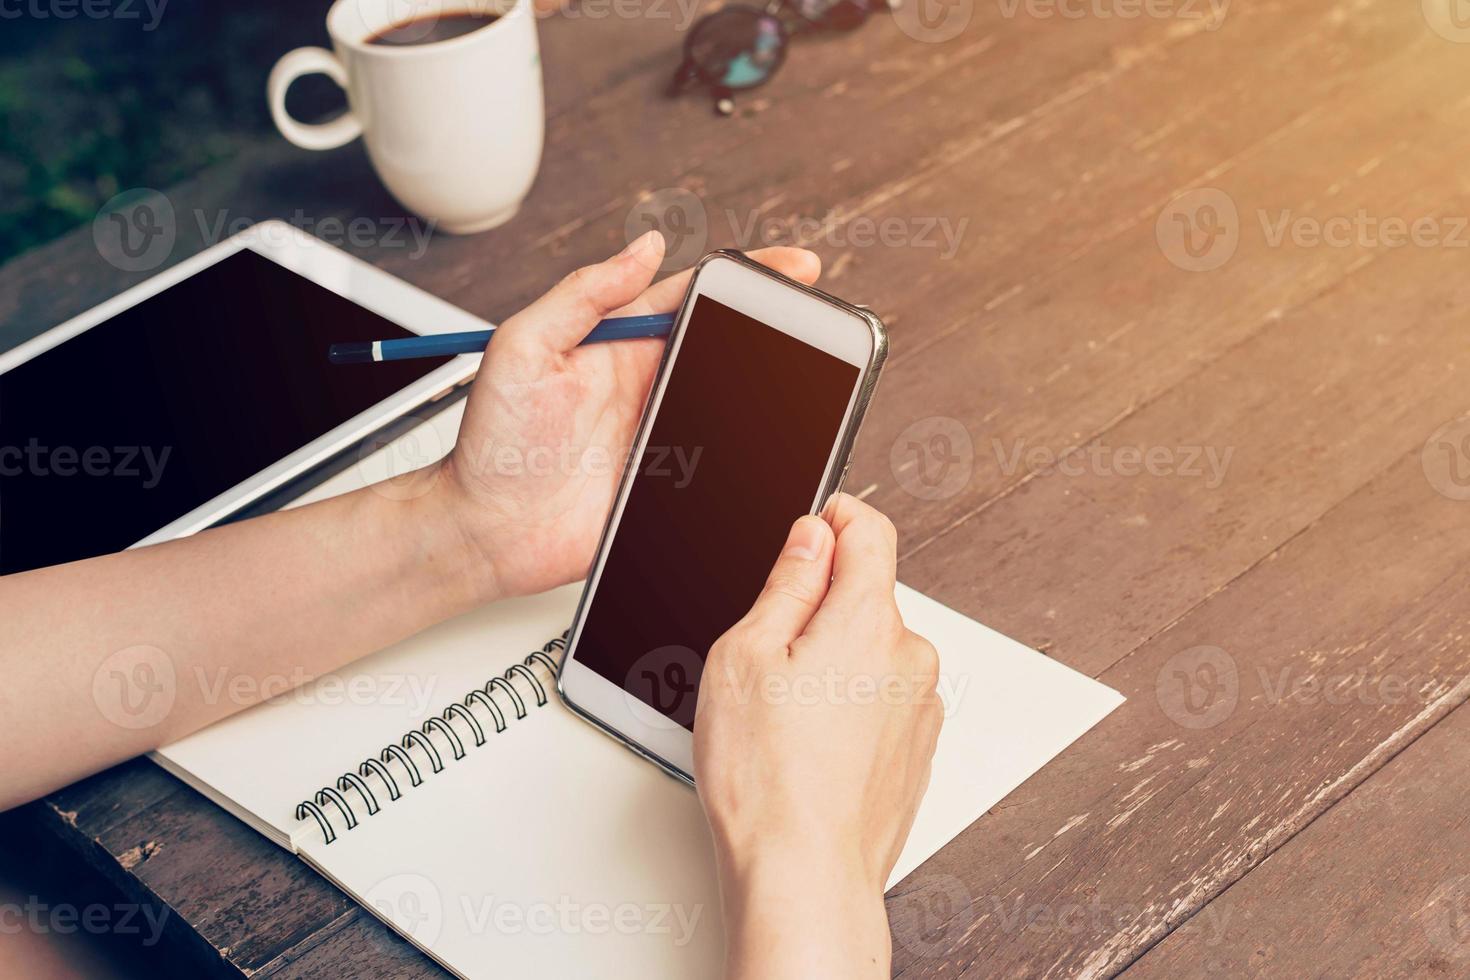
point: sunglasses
(740, 46)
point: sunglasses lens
(738, 47)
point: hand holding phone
(750, 424)
(548, 423)
(818, 718)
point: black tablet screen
(129, 426)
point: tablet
(202, 391)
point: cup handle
(324, 136)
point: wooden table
(1194, 354)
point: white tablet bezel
(348, 277)
(846, 332)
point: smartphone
(749, 425)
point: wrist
(424, 510)
(803, 914)
(470, 528)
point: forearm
(111, 657)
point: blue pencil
(474, 341)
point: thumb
(797, 584)
(559, 320)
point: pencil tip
(356, 352)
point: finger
(865, 563)
(558, 321)
(665, 296)
(796, 586)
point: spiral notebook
(443, 785)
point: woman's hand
(816, 724)
(548, 424)
(280, 599)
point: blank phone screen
(735, 454)
(125, 428)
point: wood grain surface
(1177, 298)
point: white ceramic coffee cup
(454, 128)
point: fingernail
(638, 244)
(805, 539)
(830, 507)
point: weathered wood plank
(1206, 770)
(94, 805)
(1086, 562)
(1310, 416)
(232, 901)
(1376, 887)
(1089, 331)
(357, 945)
(240, 892)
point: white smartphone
(203, 392)
(749, 425)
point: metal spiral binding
(422, 740)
